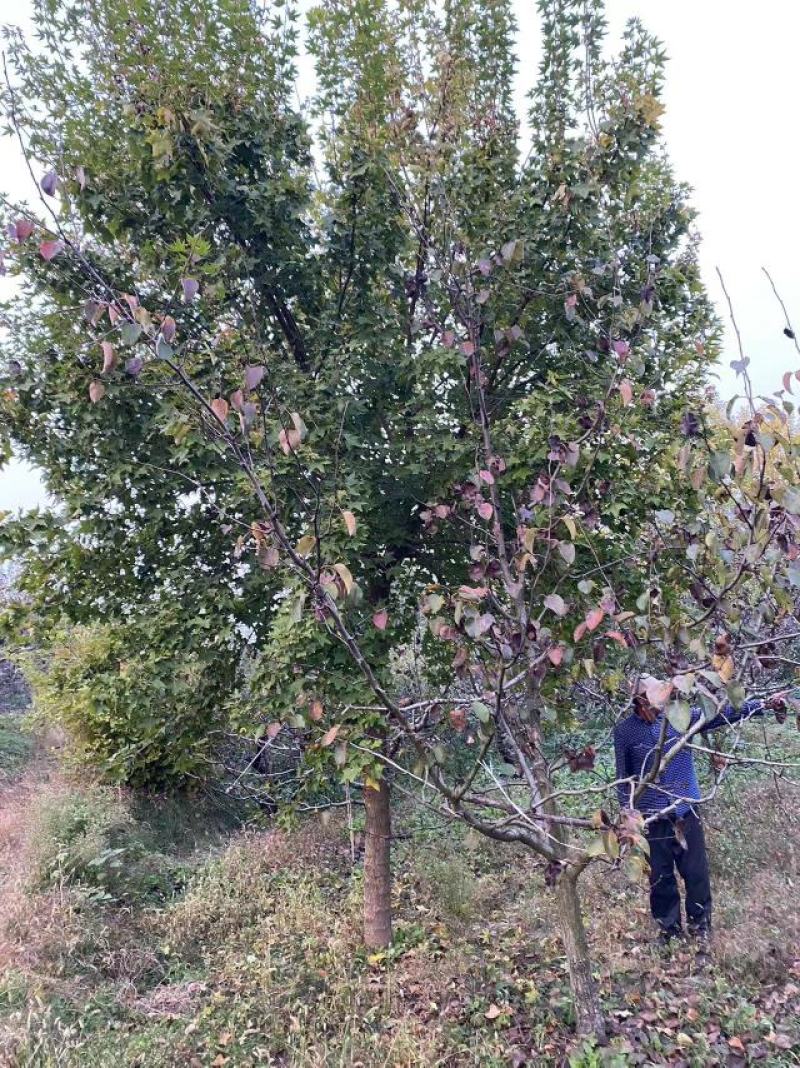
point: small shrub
(90, 841)
(135, 710)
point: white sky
(731, 125)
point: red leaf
(594, 618)
(272, 730)
(113, 313)
(621, 348)
(219, 406)
(96, 391)
(487, 477)
(48, 250)
(168, 328)
(467, 348)
(579, 632)
(618, 637)
(381, 619)
(237, 400)
(253, 376)
(458, 719)
(23, 228)
(787, 381)
(555, 654)
(626, 391)
(485, 510)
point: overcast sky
(731, 126)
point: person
(675, 835)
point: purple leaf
(253, 376)
(191, 287)
(49, 183)
(168, 328)
(556, 604)
(23, 228)
(621, 348)
(134, 365)
(247, 415)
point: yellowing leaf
(349, 522)
(724, 667)
(109, 357)
(329, 737)
(343, 571)
(305, 545)
(316, 711)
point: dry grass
(259, 961)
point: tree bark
(377, 868)
(586, 997)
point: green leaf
(736, 693)
(481, 711)
(719, 465)
(130, 332)
(679, 715)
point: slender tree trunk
(377, 868)
(588, 1014)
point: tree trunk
(377, 868)
(588, 1014)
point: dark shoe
(701, 936)
(668, 935)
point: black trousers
(679, 844)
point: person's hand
(644, 710)
(778, 705)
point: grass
(208, 945)
(16, 745)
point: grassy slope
(152, 934)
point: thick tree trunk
(377, 868)
(588, 1014)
